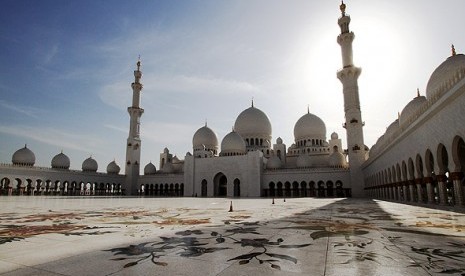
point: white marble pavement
(198, 236)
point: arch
(399, 176)
(220, 185)
(405, 176)
(237, 187)
(171, 192)
(311, 188)
(280, 188)
(429, 163)
(442, 159)
(458, 154)
(303, 187)
(176, 189)
(156, 189)
(339, 189)
(295, 189)
(271, 187)
(411, 169)
(419, 165)
(181, 187)
(321, 189)
(287, 189)
(166, 191)
(204, 188)
(329, 189)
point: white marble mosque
(420, 158)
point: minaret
(134, 142)
(348, 76)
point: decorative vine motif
(197, 243)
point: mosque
(420, 158)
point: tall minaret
(134, 142)
(348, 75)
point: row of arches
(162, 190)
(19, 186)
(304, 189)
(435, 176)
(220, 186)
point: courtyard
(202, 236)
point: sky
(66, 69)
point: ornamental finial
(138, 64)
(308, 108)
(343, 8)
(453, 50)
(205, 122)
(252, 101)
(418, 92)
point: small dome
(445, 72)
(205, 137)
(334, 136)
(304, 161)
(392, 128)
(279, 141)
(168, 168)
(273, 162)
(253, 122)
(309, 126)
(233, 144)
(411, 108)
(89, 165)
(150, 169)
(337, 159)
(24, 157)
(60, 161)
(113, 168)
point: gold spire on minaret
(343, 8)
(453, 50)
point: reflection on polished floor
(200, 236)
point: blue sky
(66, 68)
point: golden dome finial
(418, 92)
(453, 50)
(308, 108)
(343, 8)
(252, 101)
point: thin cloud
(25, 110)
(54, 137)
(117, 128)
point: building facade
(420, 158)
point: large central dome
(309, 126)
(253, 122)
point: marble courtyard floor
(198, 236)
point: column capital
(441, 178)
(428, 179)
(456, 175)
